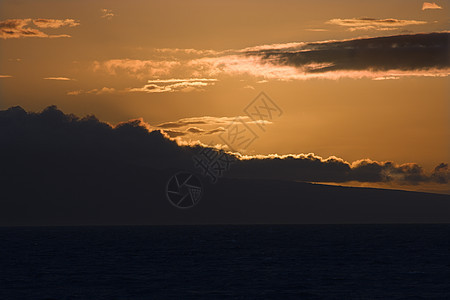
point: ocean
(226, 262)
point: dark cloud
(401, 52)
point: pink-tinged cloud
(430, 5)
(385, 57)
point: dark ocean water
(226, 262)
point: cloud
(59, 78)
(107, 13)
(430, 5)
(72, 140)
(135, 67)
(373, 24)
(5, 76)
(18, 28)
(390, 56)
(174, 85)
(55, 23)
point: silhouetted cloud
(17, 28)
(430, 5)
(52, 136)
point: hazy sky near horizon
(166, 61)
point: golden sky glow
(175, 63)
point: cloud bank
(51, 135)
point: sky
(354, 80)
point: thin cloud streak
(174, 85)
(59, 78)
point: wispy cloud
(430, 5)
(373, 24)
(18, 28)
(104, 90)
(5, 76)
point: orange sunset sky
(191, 67)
